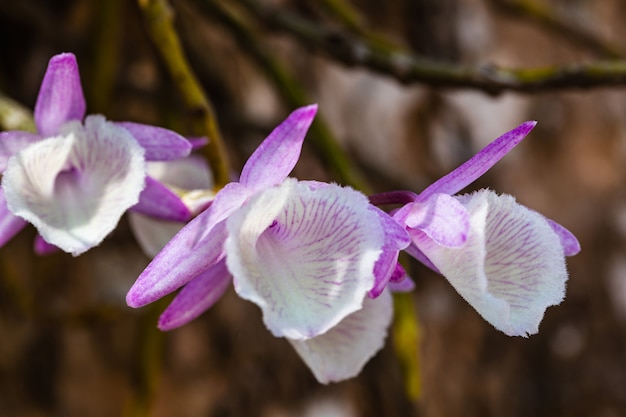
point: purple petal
(60, 95)
(41, 247)
(480, 163)
(10, 225)
(160, 144)
(418, 254)
(156, 200)
(276, 156)
(396, 238)
(512, 267)
(197, 247)
(570, 244)
(442, 218)
(304, 256)
(341, 352)
(13, 142)
(401, 282)
(196, 297)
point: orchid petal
(396, 238)
(10, 225)
(188, 173)
(197, 247)
(304, 256)
(156, 200)
(342, 352)
(480, 163)
(60, 95)
(152, 234)
(570, 244)
(41, 247)
(13, 142)
(74, 188)
(416, 253)
(160, 144)
(196, 297)
(511, 268)
(401, 282)
(442, 218)
(276, 156)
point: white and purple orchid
(74, 179)
(506, 260)
(315, 258)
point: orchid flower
(191, 179)
(73, 180)
(506, 260)
(311, 255)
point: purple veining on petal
(480, 163)
(570, 244)
(60, 95)
(276, 156)
(160, 144)
(156, 200)
(419, 255)
(196, 297)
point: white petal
(512, 267)
(152, 234)
(342, 352)
(75, 187)
(305, 254)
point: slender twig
(158, 17)
(290, 90)
(544, 16)
(352, 50)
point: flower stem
(158, 17)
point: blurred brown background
(69, 346)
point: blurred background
(69, 346)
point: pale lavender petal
(10, 224)
(512, 267)
(304, 256)
(342, 352)
(60, 95)
(75, 187)
(406, 284)
(41, 247)
(156, 200)
(196, 297)
(276, 156)
(160, 144)
(416, 253)
(198, 246)
(152, 234)
(480, 163)
(570, 244)
(396, 238)
(198, 142)
(442, 218)
(188, 173)
(13, 142)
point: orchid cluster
(320, 260)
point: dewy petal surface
(196, 297)
(512, 267)
(60, 96)
(74, 187)
(342, 352)
(160, 144)
(304, 256)
(276, 156)
(480, 163)
(13, 142)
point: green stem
(158, 17)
